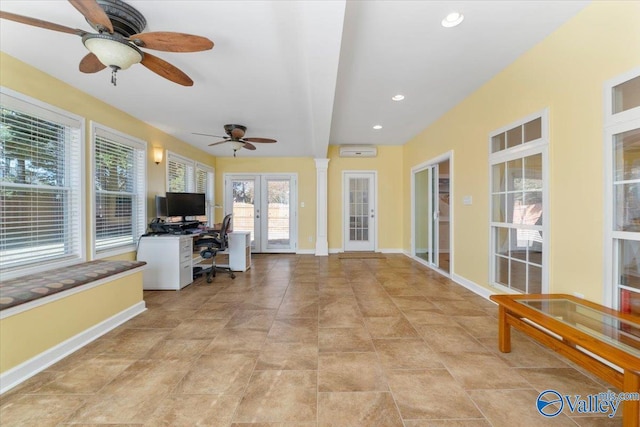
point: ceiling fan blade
(91, 10)
(40, 23)
(172, 42)
(264, 140)
(166, 70)
(208, 134)
(91, 64)
(219, 142)
(249, 146)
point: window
(187, 176)
(180, 174)
(119, 178)
(622, 145)
(518, 198)
(41, 205)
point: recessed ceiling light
(377, 127)
(452, 19)
(398, 97)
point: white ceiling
(307, 73)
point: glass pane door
(359, 212)
(265, 206)
(278, 224)
(246, 206)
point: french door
(264, 205)
(359, 189)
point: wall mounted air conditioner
(358, 151)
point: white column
(322, 242)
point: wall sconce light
(157, 155)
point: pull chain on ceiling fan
(119, 39)
(236, 138)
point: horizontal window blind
(204, 184)
(180, 174)
(119, 185)
(40, 185)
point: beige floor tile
(473, 422)
(237, 339)
(186, 350)
(197, 329)
(218, 373)
(482, 371)
(213, 410)
(39, 410)
(133, 408)
(450, 339)
(525, 354)
(288, 338)
(406, 354)
(88, 377)
(288, 356)
(430, 394)
(298, 308)
(521, 410)
(279, 396)
(563, 380)
(350, 372)
(390, 327)
(293, 330)
(147, 377)
(253, 319)
(344, 339)
(357, 409)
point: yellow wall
(565, 73)
(27, 334)
(388, 165)
(305, 168)
(29, 81)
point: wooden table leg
(504, 331)
(631, 408)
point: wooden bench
(586, 333)
(46, 316)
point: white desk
(170, 258)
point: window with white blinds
(180, 174)
(41, 202)
(204, 184)
(188, 176)
(119, 169)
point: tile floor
(302, 341)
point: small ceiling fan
(119, 38)
(236, 138)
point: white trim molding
(18, 374)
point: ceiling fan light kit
(235, 135)
(119, 39)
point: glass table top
(619, 333)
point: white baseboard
(26, 370)
(391, 251)
(462, 281)
(472, 286)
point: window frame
(191, 180)
(539, 146)
(614, 124)
(75, 149)
(140, 182)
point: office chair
(213, 244)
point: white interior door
(359, 232)
(265, 206)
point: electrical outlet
(302, 204)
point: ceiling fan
(236, 138)
(119, 38)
